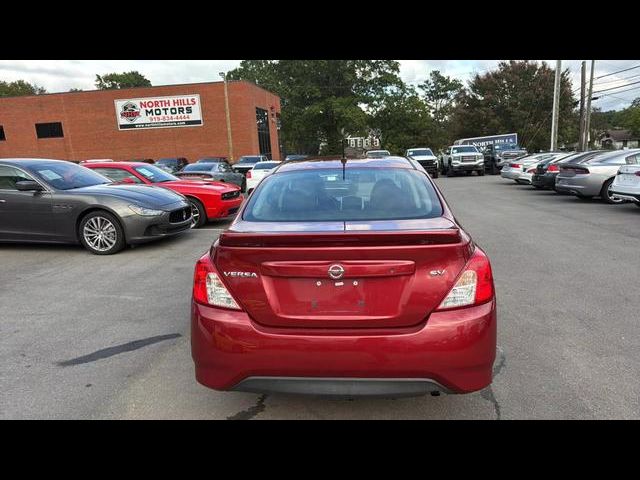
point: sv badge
(436, 273)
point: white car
(514, 169)
(425, 157)
(462, 158)
(258, 172)
(626, 184)
(529, 169)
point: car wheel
(450, 172)
(100, 233)
(198, 213)
(435, 174)
(243, 187)
(605, 193)
(493, 169)
(480, 173)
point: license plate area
(626, 179)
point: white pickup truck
(462, 158)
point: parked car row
(612, 176)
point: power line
(618, 80)
(619, 71)
(615, 88)
(621, 91)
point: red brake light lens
(553, 168)
(249, 174)
(208, 289)
(474, 286)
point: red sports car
(344, 279)
(208, 199)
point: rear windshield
(265, 165)
(249, 159)
(199, 167)
(324, 195)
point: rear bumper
(626, 196)
(452, 352)
(510, 174)
(544, 180)
(580, 186)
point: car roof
(31, 162)
(310, 163)
(614, 154)
(119, 164)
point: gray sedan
(56, 201)
(594, 177)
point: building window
(49, 130)
(264, 138)
(2, 137)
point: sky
(62, 75)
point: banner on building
(159, 112)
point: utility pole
(226, 109)
(588, 113)
(556, 104)
(583, 81)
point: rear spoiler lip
(349, 238)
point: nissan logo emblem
(336, 271)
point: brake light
(208, 289)
(514, 165)
(474, 286)
(249, 174)
(553, 168)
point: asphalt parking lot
(91, 337)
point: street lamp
(223, 75)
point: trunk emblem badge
(336, 271)
(436, 273)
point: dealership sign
(490, 140)
(159, 112)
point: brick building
(148, 122)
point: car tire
(435, 174)
(481, 173)
(493, 169)
(605, 195)
(198, 213)
(243, 187)
(538, 187)
(100, 233)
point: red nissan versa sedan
(208, 200)
(346, 278)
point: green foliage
(403, 120)
(322, 98)
(113, 81)
(19, 88)
(440, 93)
(517, 97)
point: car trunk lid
(349, 275)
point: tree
(322, 97)
(517, 97)
(19, 88)
(113, 81)
(404, 121)
(440, 93)
(75, 90)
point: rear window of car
(265, 165)
(324, 195)
(200, 167)
(466, 149)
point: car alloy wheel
(608, 196)
(100, 234)
(195, 215)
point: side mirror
(29, 186)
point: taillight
(208, 289)
(249, 174)
(474, 286)
(514, 165)
(553, 168)
(531, 170)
